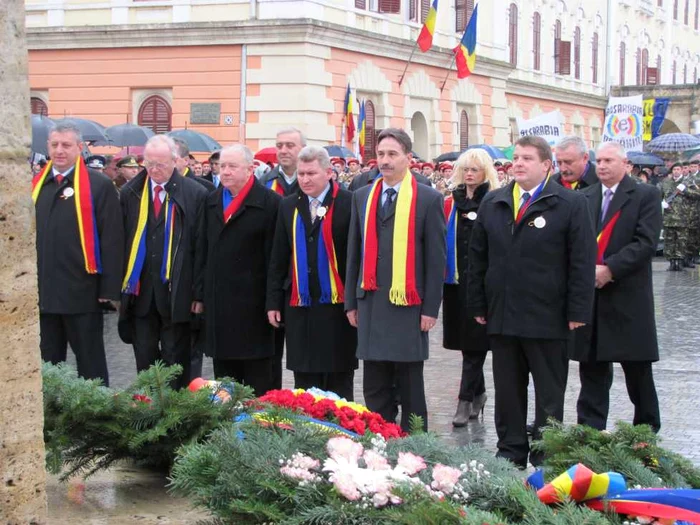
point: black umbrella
(127, 135)
(644, 159)
(41, 127)
(195, 140)
(451, 156)
(92, 131)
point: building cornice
(545, 92)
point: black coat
(274, 173)
(189, 243)
(236, 275)
(208, 184)
(624, 327)
(319, 338)
(459, 331)
(529, 281)
(363, 179)
(589, 178)
(64, 285)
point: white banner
(624, 122)
(547, 126)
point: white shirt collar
(322, 196)
(153, 189)
(290, 180)
(604, 188)
(63, 173)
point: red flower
(142, 398)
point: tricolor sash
(570, 185)
(604, 237)
(519, 211)
(332, 289)
(275, 186)
(451, 272)
(137, 253)
(403, 291)
(84, 211)
(237, 201)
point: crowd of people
(339, 263)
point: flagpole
(449, 70)
(415, 45)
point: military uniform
(680, 201)
(693, 182)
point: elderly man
(79, 253)
(164, 220)
(530, 281)
(628, 220)
(320, 342)
(241, 216)
(576, 172)
(396, 267)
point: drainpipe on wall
(608, 48)
(244, 90)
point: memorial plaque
(205, 112)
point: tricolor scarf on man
(332, 289)
(237, 201)
(84, 211)
(451, 272)
(570, 185)
(604, 237)
(137, 253)
(275, 186)
(518, 210)
(403, 291)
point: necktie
(156, 200)
(386, 207)
(59, 179)
(607, 197)
(523, 201)
(313, 208)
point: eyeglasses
(157, 165)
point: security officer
(680, 200)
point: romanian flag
(465, 51)
(361, 129)
(425, 39)
(349, 120)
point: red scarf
(604, 237)
(237, 201)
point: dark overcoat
(387, 332)
(236, 275)
(319, 338)
(274, 173)
(590, 177)
(624, 326)
(64, 285)
(531, 281)
(189, 243)
(459, 331)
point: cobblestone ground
(677, 296)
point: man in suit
(628, 219)
(164, 286)
(530, 281)
(576, 171)
(213, 174)
(241, 216)
(321, 343)
(70, 290)
(394, 278)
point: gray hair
(183, 149)
(159, 140)
(292, 129)
(239, 148)
(616, 146)
(573, 141)
(312, 153)
(67, 127)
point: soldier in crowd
(692, 180)
(685, 168)
(680, 198)
(354, 167)
(427, 169)
(96, 162)
(127, 169)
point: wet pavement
(135, 497)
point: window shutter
(424, 10)
(39, 107)
(639, 66)
(389, 6)
(622, 63)
(564, 57)
(557, 46)
(370, 133)
(513, 34)
(463, 131)
(360, 4)
(577, 53)
(155, 113)
(686, 15)
(675, 9)
(652, 76)
(697, 14)
(594, 52)
(536, 29)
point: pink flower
(375, 461)
(410, 463)
(346, 448)
(298, 473)
(380, 499)
(445, 478)
(345, 485)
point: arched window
(594, 55)
(557, 44)
(463, 12)
(156, 113)
(536, 37)
(577, 53)
(370, 132)
(39, 107)
(645, 66)
(513, 34)
(622, 63)
(463, 131)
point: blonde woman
(474, 176)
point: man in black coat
(628, 219)
(531, 274)
(161, 296)
(70, 296)
(241, 217)
(367, 178)
(576, 171)
(320, 341)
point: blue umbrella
(195, 140)
(128, 135)
(644, 159)
(673, 143)
(493, 151)
(41, 127)
(92, 131)
(339, 151)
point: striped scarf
(332, 289)
(604, 237)
(137, 254)
(276, 186)
(84, 211)
(518, 210)
(403, 291)
(451, 272)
